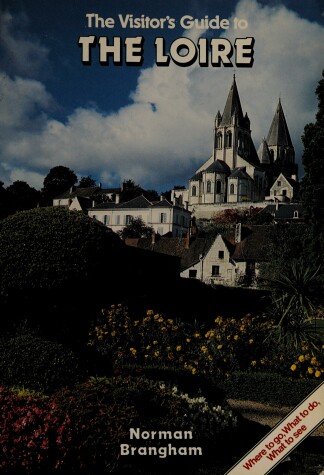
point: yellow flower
(253, 363)
(193, 371)
(178, 348)
(155, 342)
(170, 321)
(301, 358)
(148, 347)
(133, 351)
(219, 347)
(236, 337)
(156, 353)
(188, 340)
(204, 349)
(293, 367)
(149, 313)
(210, 357)
(313, 360)
(228, 337)
(310, 370)
(251, 341)
(196, 335)
(317, 374)
(113, 333)
(160, 320)
(146, 356)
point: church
(237, 173)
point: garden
(113, 387)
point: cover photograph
(161, 237)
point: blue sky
(148, 123)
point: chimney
(117, 199)
(187, 240)
(238, 233)
(161, 197)
(93, 203)
(294, 177)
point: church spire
(232, 106)
(278, 135)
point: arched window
(219, 140)
(208, 187)
(194, 191)
(218, 186)
(232, 189)
(229, 139)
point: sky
(146, 122)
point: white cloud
(166, 131)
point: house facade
(164, 217)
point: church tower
(232, 132)
(280, 146)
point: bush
(32, 439)
(103, 411)
(50, 259)
(29, 361)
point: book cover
(163, 333)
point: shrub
(32, 439)
(29, 361)
(103, 410)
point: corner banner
(284, 437)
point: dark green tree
(57, 181)
(136, 229)
(22, 196)
(312, 186)
(130, 190)
(86, 182)
(4, 201)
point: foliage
(48, 247)
(86, 182)
(312, 186)
(58, 180)
(32, 438)
(154, 339)
(295, 295)
(286, 243)
(40, 365)
(21, 196)
(230, 345)
(107, 408)
(136, 229)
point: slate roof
(284, 210)
(218, 166)
(233, 106)
(279, 133)
(255, 240)
(240, 172)
(139, 202)
(79, 192)
(264, 152)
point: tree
(4, 201)
(87, 182)
(22, 196)
(312, 186)
(57, 181)
(130, 190)
(136, 229)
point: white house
(163, 216)
(284, 189)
